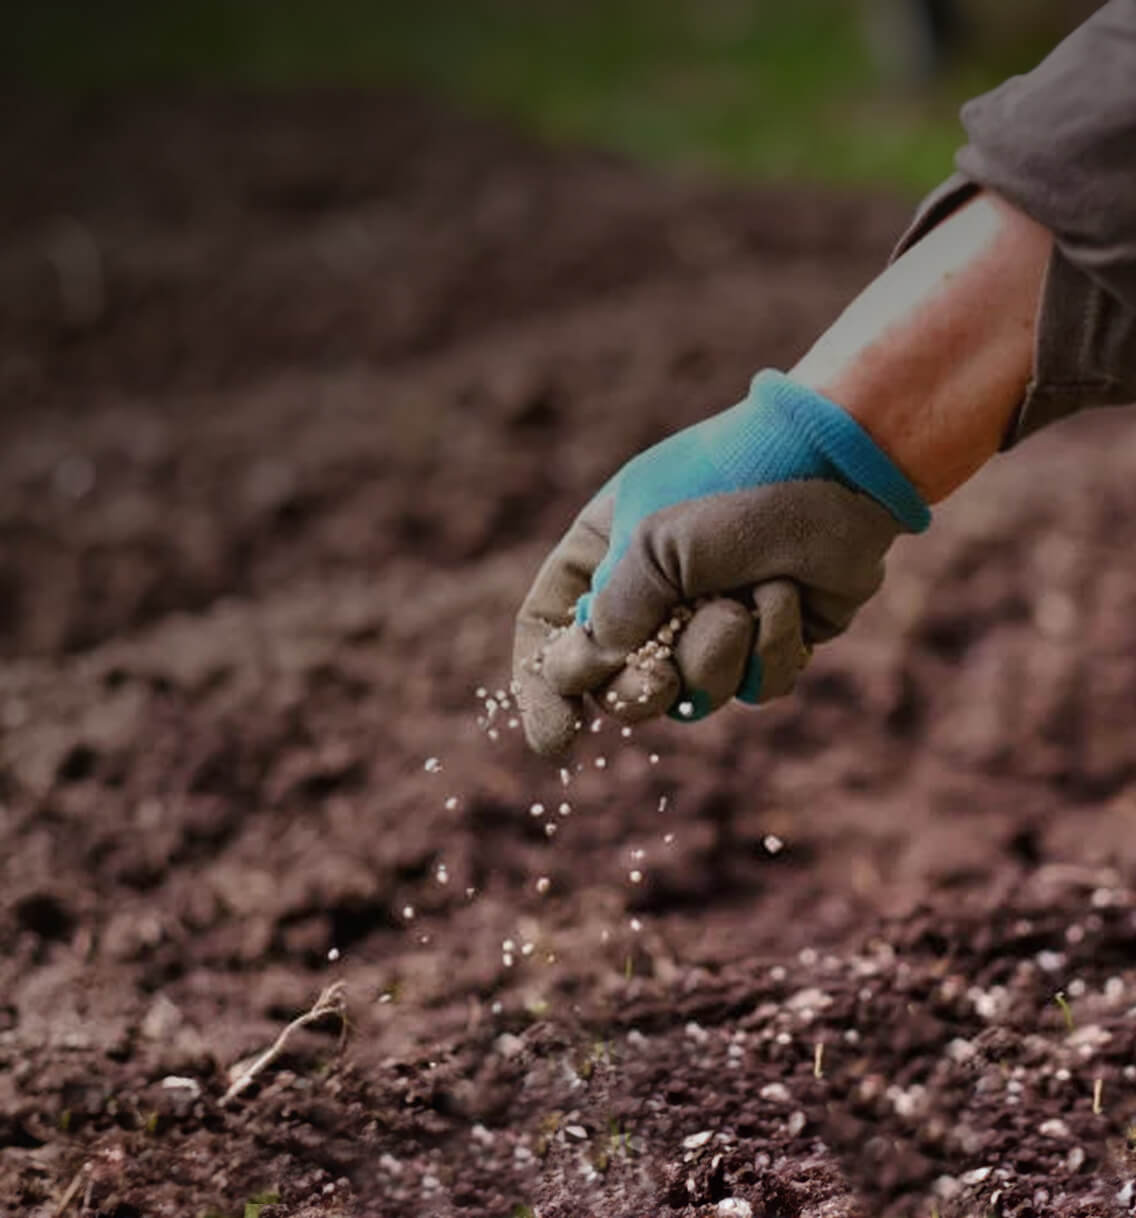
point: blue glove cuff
(830, 430)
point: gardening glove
(710, 564)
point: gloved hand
(779, 510)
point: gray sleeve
(1060, 143)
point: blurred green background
(811, 89)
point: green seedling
(256, 1203)
(1066, 1009)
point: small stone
(734, 1207)
(543, 884)
(1055, 1127)
(772, 843)
(776, 1093)
(796, 1123)
(695, 1140)
(576, 1131)
(432, 765)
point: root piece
(333, 1001)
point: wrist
(934, 356)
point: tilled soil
(296, 392)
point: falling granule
(662, 803)
(536, 810)
(654, 759)
(543, 884)
(773, 843)
(635, 876)
(565, 809)
(432, 765)
(408, 912)
(635, 925)
(452, 803)
(333, 954)
(601, 762)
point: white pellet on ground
(451, 803)
(734, 1207)
(695, 1140)
(432, 765)
(543, 884)
(772, 843)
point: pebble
(777, 1093)
(796, 1123)
(695, 1140)
(1055, 1127)
(734, 1207)
(576, 1131)
(432, 765)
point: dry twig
(333, 1001)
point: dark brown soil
(295, 392)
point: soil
(296, 392)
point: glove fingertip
(695, 704)
(750, 689)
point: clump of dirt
(296, 393)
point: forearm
(934, 356)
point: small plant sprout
(1098, 1090)
(818, 1059)
(1066, 1009)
